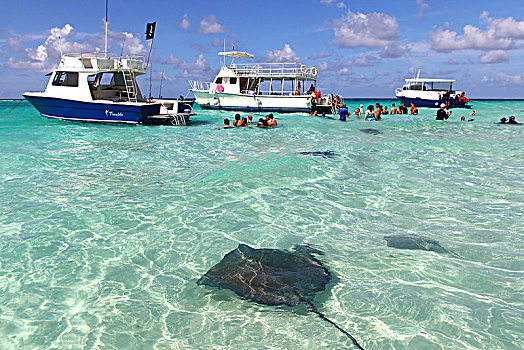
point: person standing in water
(441, 113)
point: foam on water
(104, 230)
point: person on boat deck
(414, 110)
(226, 124)
(237, 121)
(311, 88)
(393, 109)
(297, 90)
(344, 113)
(441, 113)
(446, 97)
(385, 111)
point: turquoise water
(104, 230)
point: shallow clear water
(104, 230)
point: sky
(360, 48)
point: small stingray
(371, 131)
(273, 277)
(325, 154)
(417, 243)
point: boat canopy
(236, 54)
(422, 80)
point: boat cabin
(429, 84)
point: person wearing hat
(441, 113)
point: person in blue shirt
(344, 113)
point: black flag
(150, 30)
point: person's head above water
(237, 116)
(442, 105)
(226, 121)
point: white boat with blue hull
(262, 87)
(424, 92)
(101, 88)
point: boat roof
(429, 80)
(235, 54)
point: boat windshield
(430, 86)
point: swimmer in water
(226, 124)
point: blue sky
(361, 48)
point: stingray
(371, 131)
(416, 243)
(325, 154)
(273, 277)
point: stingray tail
(322, 316)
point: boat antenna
(161, 82)
(418, 74)
(105, 47)
(150, 77)
(123, 43)
(60, 45)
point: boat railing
(200, 85)
(271, 70)
(102, 62)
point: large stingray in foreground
(273, 277)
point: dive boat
(263, 87)
(99, 88)
(424, 92)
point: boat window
(91, 79)
(225, 80)
(114, 79)
(66, 79)
(232, 81)
(218, 80)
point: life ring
(220, 88)
(313, 71)
(303, 68)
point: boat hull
(257, 103)
(57, 108)
(431, 103)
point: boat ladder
(130, 83)
(178, 119)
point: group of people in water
(374, 112)
(267, 122)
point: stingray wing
(268, 276)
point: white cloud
(503, 79)
(200, 68)
(365, 61)
(501, 34)
(15, 42)
(210, 25)
(496, 56)
(184, 24)
(365, 30)
(421, 6)
(394, 51)
(285, 55)
(47, 55)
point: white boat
(102, 87)
(262, 87)
(424, 92)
